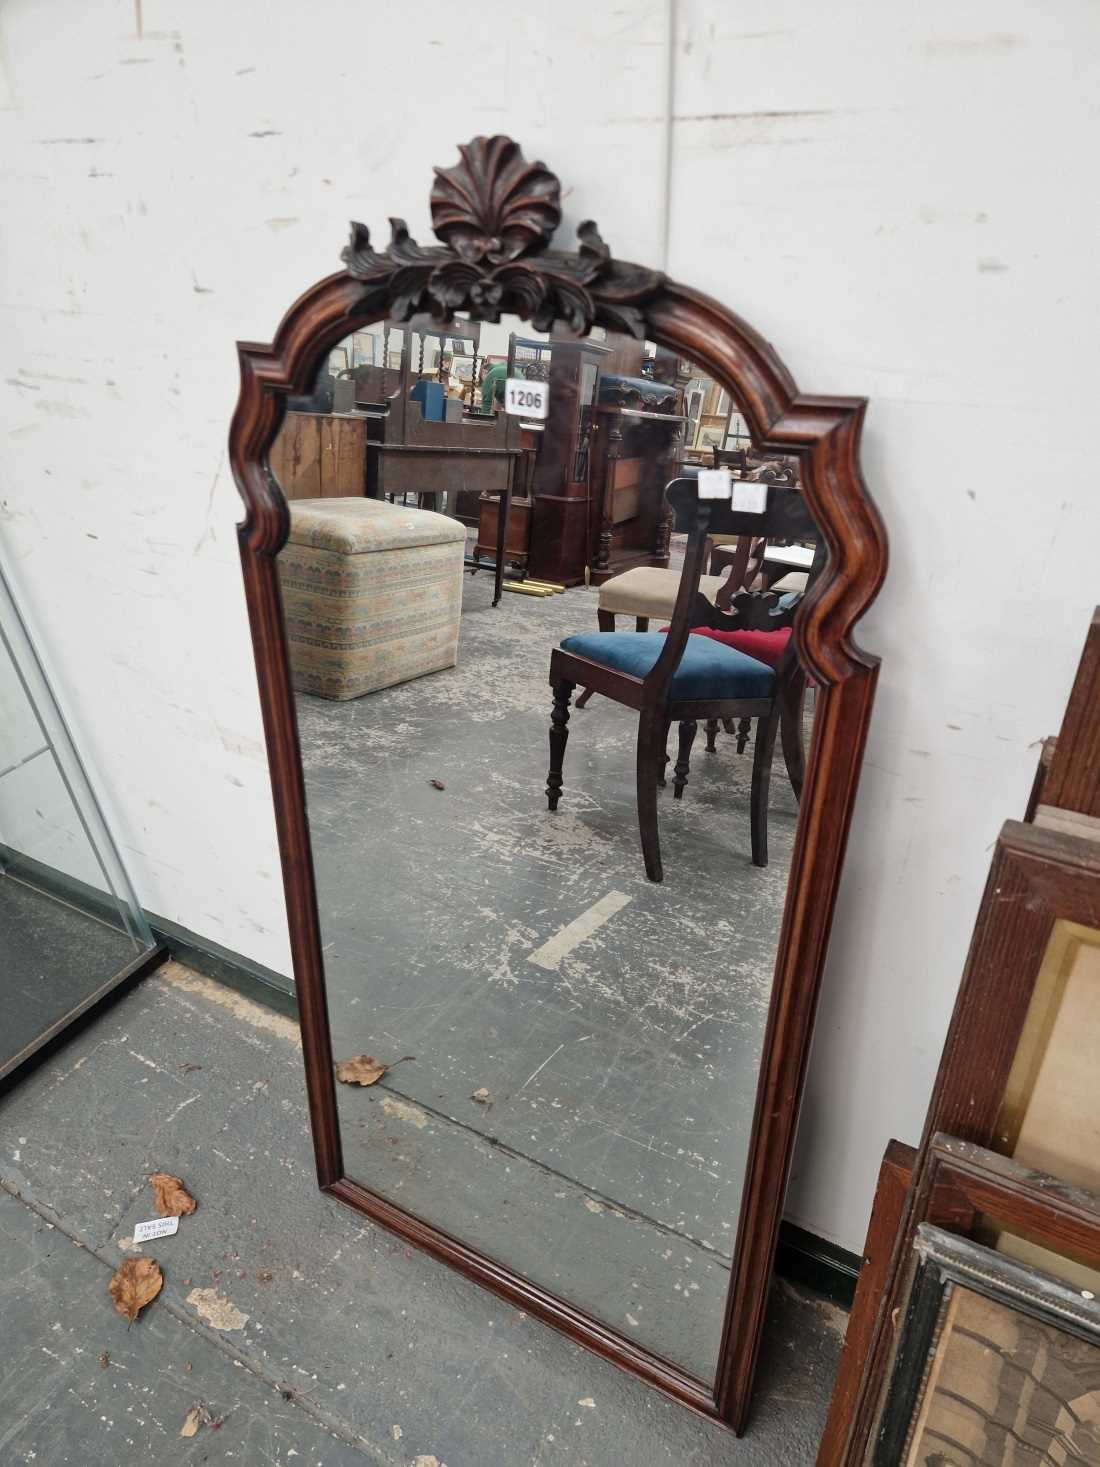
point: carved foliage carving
(496, 214)
(758, 611)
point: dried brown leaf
(437, 784)
(170, 1198)
(135, 1283)
(196, 1417)
(482, 1096)
(364, 1069)
(104, 1360)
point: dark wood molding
(494, 237)
(891, 1194)
(1073, 776)
(1037, 878)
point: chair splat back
(784, 517)
(690, 514)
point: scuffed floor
(610, 1028)
(315, 1339)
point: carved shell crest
(496, 214)
(495, 206)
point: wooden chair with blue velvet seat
(674, 677)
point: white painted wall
(164, 194)
(900, 199)
(895, 196)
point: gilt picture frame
(994, 1358)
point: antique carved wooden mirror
(454, 458)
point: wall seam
(670, 88)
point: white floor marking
(550, 954)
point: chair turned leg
(605, 620)
(712, 735)
(790, 733)
(652, 732)
(688, 730)
(586, 693)
(662, 767)
(766, 728)
(641, 623)
(559, 737)
(744, 725)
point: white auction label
(750, 496)
(160, 1227)
(714, 484)
(526, 399)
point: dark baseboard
(64, 888)
(827, 1269)
(235, 971)
(801, 1256)
(200, 953)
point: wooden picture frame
(495, 214)
(1040, 881)
(965, 1189)
(969, 1190)
(1064, 801)
(895, 1177)
(973, 1319)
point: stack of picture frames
(974, 1336)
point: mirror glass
(572, 1049)
(70, 925)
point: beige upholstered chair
(372, 594)
(648, 592)
(645, 592)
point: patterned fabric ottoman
(372, 594)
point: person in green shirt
(492, 386)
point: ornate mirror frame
(494, 214)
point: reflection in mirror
(71, 930)
(573, 1046)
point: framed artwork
(997, 1363)
(1020, 1218)
(1018, 1069)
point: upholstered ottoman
(372, 594)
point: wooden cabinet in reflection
(593, 503)
(320, 455)
(583, 491)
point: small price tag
(160, 1227)
(525, 399)
(749, 496)
(714, 484)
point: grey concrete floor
(622, 1072)
(316, 1339)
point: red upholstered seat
(766, 647)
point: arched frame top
(495, 214)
